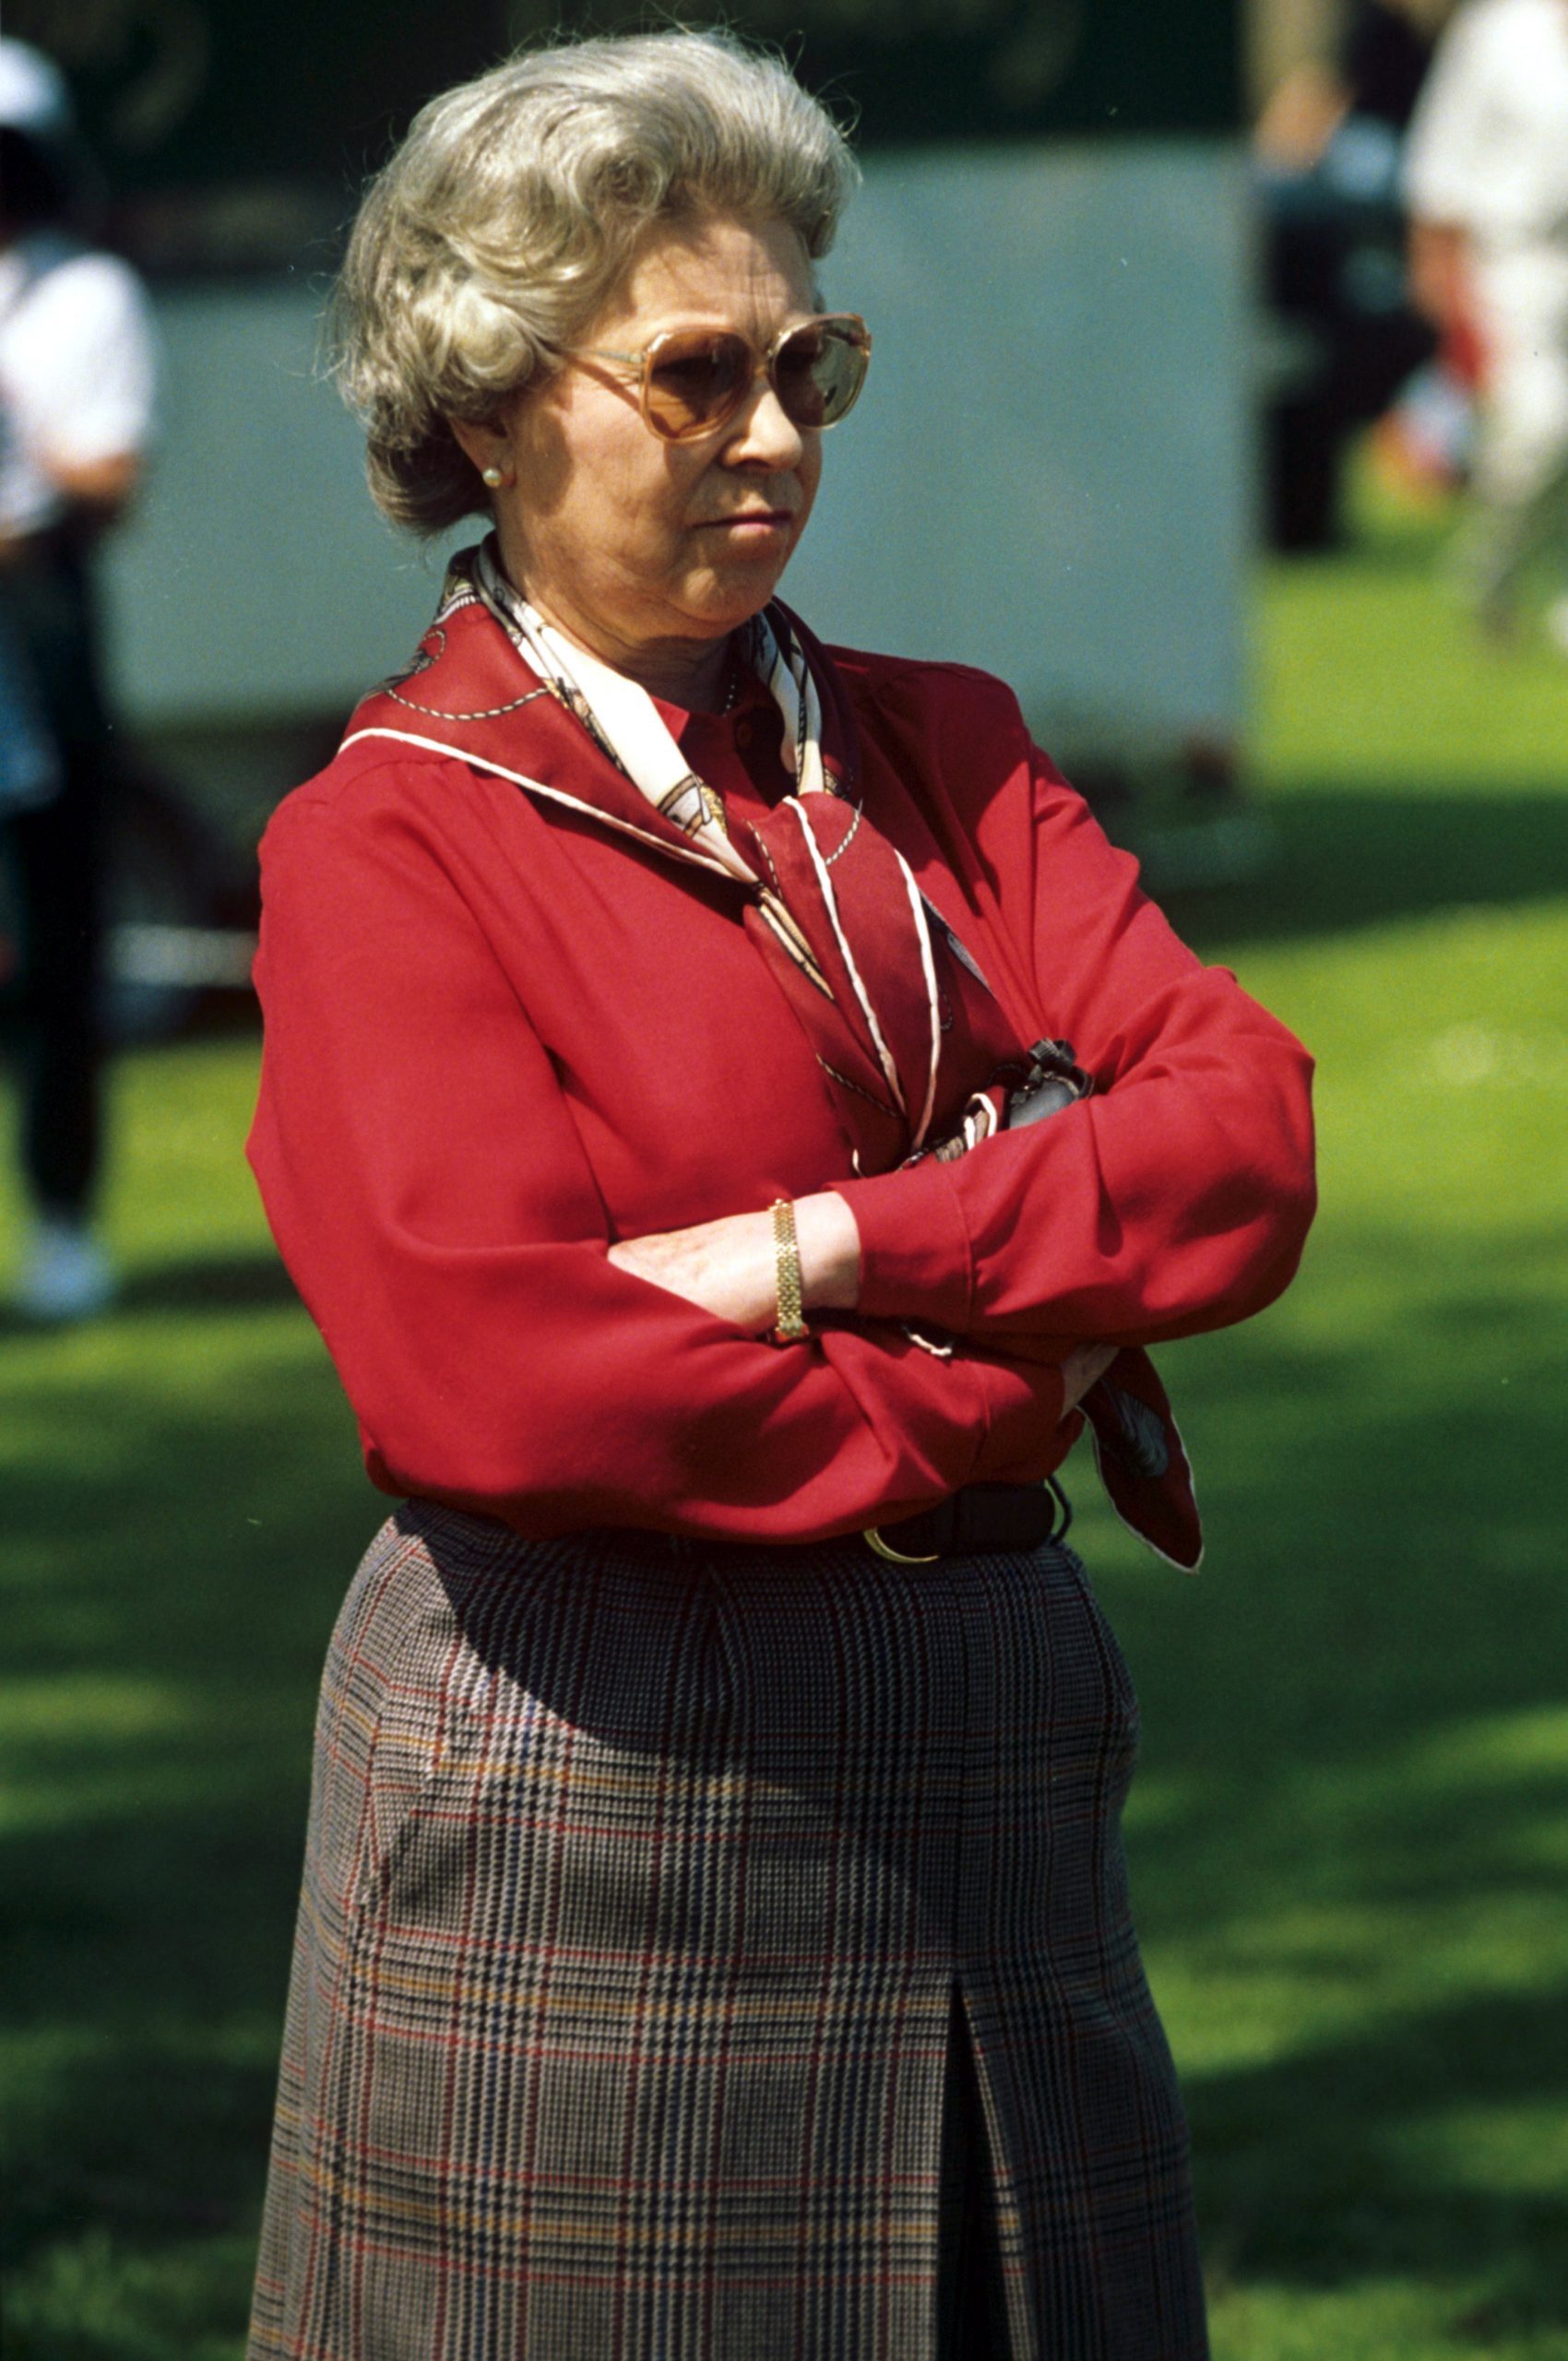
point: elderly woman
(714, 1938)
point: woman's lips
(762, 522)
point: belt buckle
(873, 1538)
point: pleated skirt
(648, 1887)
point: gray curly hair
(512, 210)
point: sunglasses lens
(693, 382)
(819, 370)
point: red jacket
(503, 1031)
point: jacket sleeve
(430, 1195)
(1175, 1199)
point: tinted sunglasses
(694, 380)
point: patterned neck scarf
(866, 964)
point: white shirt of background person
(78, 376)
(1489, 146)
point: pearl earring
(492, 476)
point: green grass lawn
(1350, 1833)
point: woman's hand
(728, 1267)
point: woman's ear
(490, 448)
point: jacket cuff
(916, 1262)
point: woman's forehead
(736, 274)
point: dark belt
(981, 1517)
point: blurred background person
(1328, 147)
(1487, 182)
(77, 373)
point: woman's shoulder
(953, 721)
(456, 706)
(931, 685)
(365, 777)
(378, 807)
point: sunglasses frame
(763, 364)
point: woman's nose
(762, 433)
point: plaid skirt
(648, 1887)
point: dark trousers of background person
(56, 859)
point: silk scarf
(868, 968)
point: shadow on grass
(1352, 855)
(210, 1283)
(199, 1283)
(1310, 2172)
(1320, 2170)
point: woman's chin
(733, 595)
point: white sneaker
(67, 1275)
